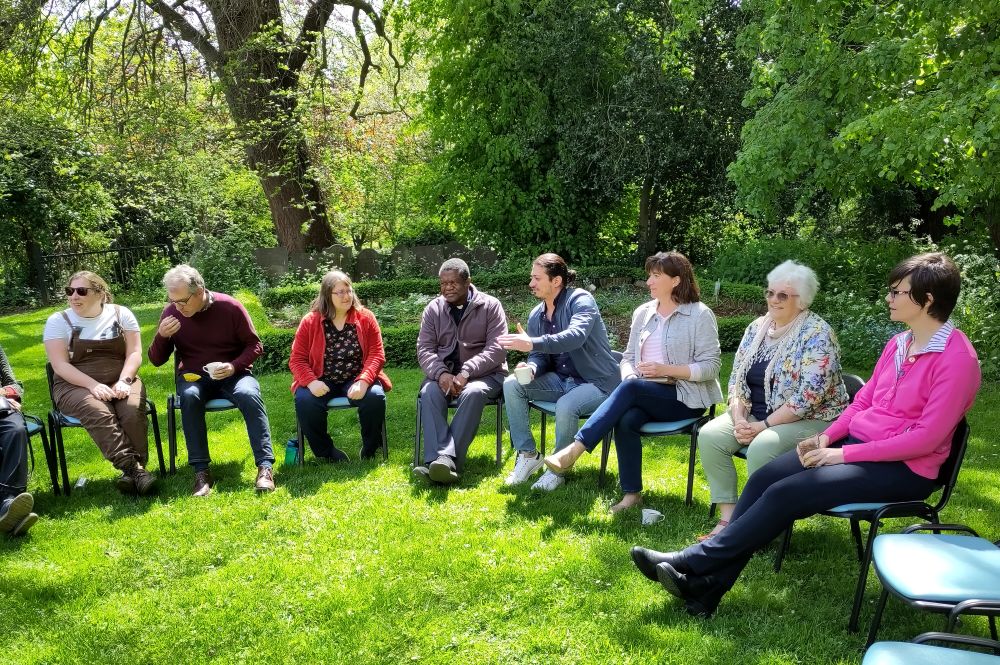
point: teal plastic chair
(174, 405)
(918, 652)
(336, 404)
(689, 426)
(874, 513)
(948, 573)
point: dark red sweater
(223, 332)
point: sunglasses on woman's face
(79, 290)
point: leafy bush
(731, 329)
(861, 323)
(224, 260)
(147, 279)
(849, 265)
(400, 311)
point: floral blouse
(342, 360)
(807, 377)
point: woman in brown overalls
(95, 351)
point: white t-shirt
(103, 326)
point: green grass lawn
(363, 563)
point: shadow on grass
(308, 479)
(477, 469)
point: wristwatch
(129, 380)
(464, 374)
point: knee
(512, 389)
(190, 396)
(304, 399)
(473, 394)
(712, 440)
(374, 398)
(764, 448)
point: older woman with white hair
(785, 386)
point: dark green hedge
(281, 296)
(401, 343)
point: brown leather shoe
(265, 479)
(136, 480)
(203, 482)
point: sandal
(714, 532)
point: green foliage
(731, 329)
(224, 261)
(146, 284)
(401, 310)
(854, 97)
(846, 265)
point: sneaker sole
(440, 473)
(25, 524)
(19, 508)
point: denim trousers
(574, 398)
(13, 455)
(311, 412)
(242, 390)
(631, 405)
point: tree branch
(187, 31)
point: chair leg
(151, 411)
(61, 456)
(605, 452)
(711, 511)
(786, 540)
(300, 444)
(993, 627)
(856, 535)
(499, 433)
(877, 619)
(50, 456)
(385, 439)
(417, 437)
(859, 593)
(692, 453)
(172, 432)
(543, 434)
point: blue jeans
(574, 398)
(311, 412)
(242, 390)
(631, 405)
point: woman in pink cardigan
(337, 352)
(887, 445)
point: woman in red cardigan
(337, 352)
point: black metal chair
(174, 405)
(874, 513)
(937, 572)
(418, 437)
(690, 426)
(339, 404)
(36, 425)
(56, 452)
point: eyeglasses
(179, 302)
(893, 294)
(341, 294)
(780, 296)
(80, 290)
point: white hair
(800, 277)
(184, 275)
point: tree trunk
(261, 95)
(648, 224)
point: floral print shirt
(342, 361)
(807, 378)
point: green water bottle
(292, 451)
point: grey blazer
(691, 338)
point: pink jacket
(912, 418)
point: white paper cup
(524, 374)
(212, 368)
(650, 516)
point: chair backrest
(948, 473)
(49, 376)
(853, 383)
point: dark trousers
(311, 412)
(13, 455)
(784, 491)
(630, 406)
(242, 390)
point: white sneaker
(523, 468)
(548, 481)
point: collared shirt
(561, 361)
(935, 345)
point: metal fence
(117, 266)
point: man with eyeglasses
(459, 350)
(215, 344)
